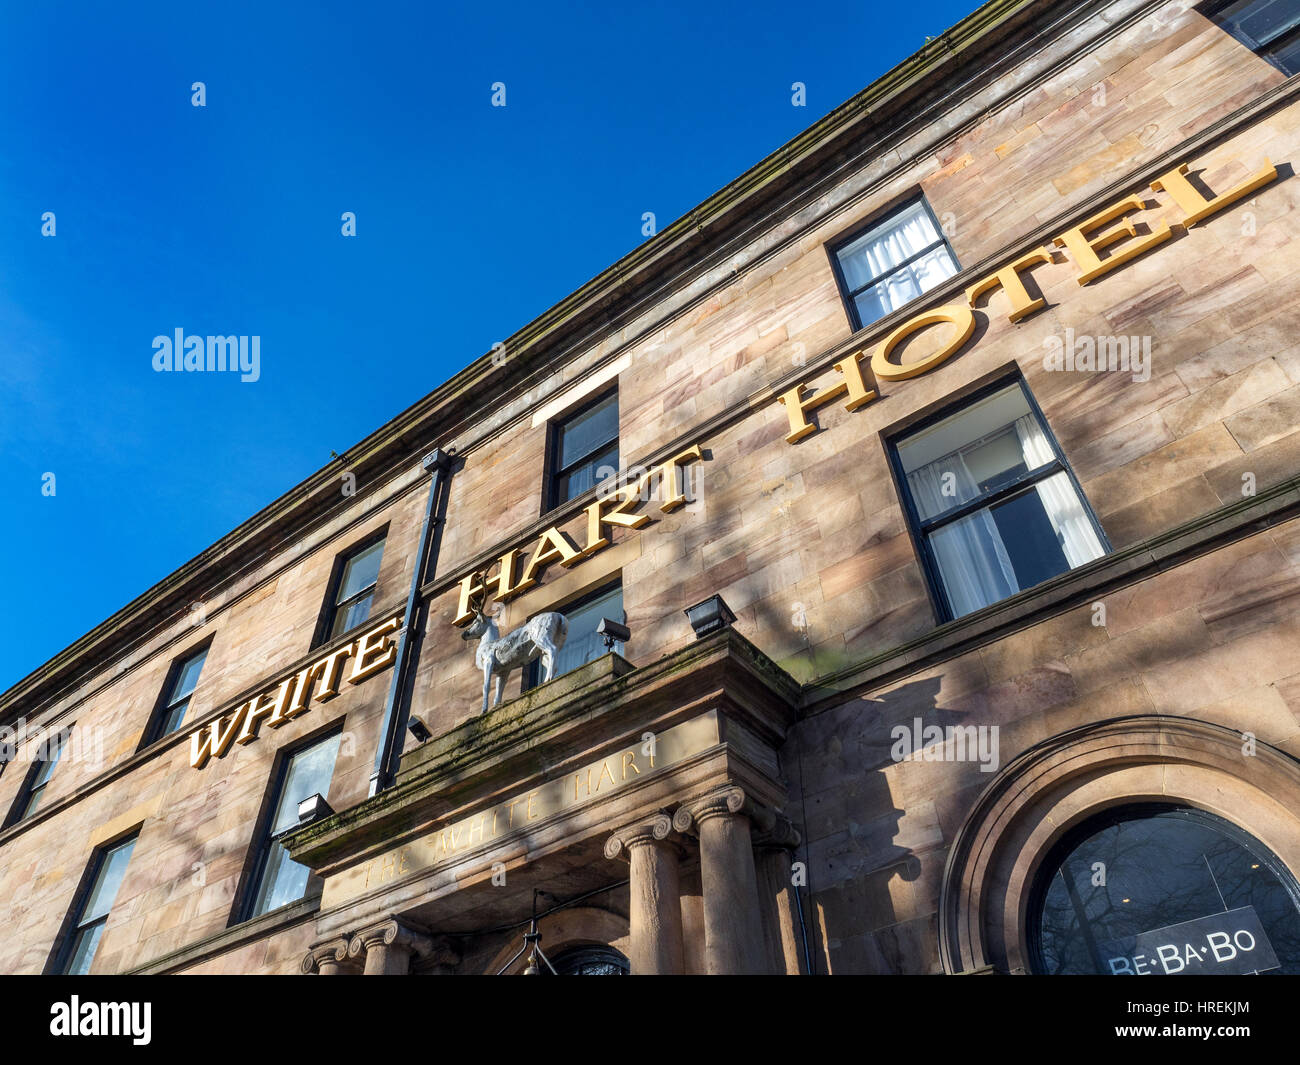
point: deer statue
(539, 637)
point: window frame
(74, 920)
(1215, 8)
(264, 840)
(919, 530)
(21, 808)
(532, 673)
(553, 471)
(834, 247)
(330, 607)
(162, 707)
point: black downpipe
(397, 708)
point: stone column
(388, 947)
(778, 897)
(733, 933)
(329, 958)
(656, 911)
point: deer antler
(479, 578)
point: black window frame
(21, 808)
(834, 247)
(264, 839)
(1214, 12)
(532, 673)
(330, 607)
(919, 530)
(165, 703)
(555, 428)
(74, 922)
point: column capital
(728, 800)
(328, 956)
(653, 829)
(395, 932)
(780, 835)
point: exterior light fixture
(418, 729)
(709, 616)
(612, 632)
(313, 808)
(533, 944)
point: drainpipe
(397, 706)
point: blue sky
(225, 219)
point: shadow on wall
(875, 846)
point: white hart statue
(539, 637)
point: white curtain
(973, 562)
(1074, 531)
(876, 255)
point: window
(582, 443)
(181, 681)
(992, 504)
(354, 590)
(892, 262)
(1184, 892)
(48, 752)
(278, 880)
(582, 645)
(1269, 28)
(589, 961)
(108, 867)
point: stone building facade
(1001, 617)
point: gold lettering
(1083, 248)
(389, 868)
(576, 778)
(477, 826)
(552, 546)
(852, 385)
(374, 643)
(1008, 279)
(598, 517)
(272, 708)
(531, 796)
(298, 704)
(596, 538)
(604, 772)
(213, 740)
(510, 812)
(328, 669)
(502, 581)
(958, 314)
(403, 865)
(629, 761)
(669, 484)
(1196, 208)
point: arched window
(1157, 888)
(590, 961)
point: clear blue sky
(225, 219)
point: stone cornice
(227, 939)
(1070, 590)
(531, 735)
